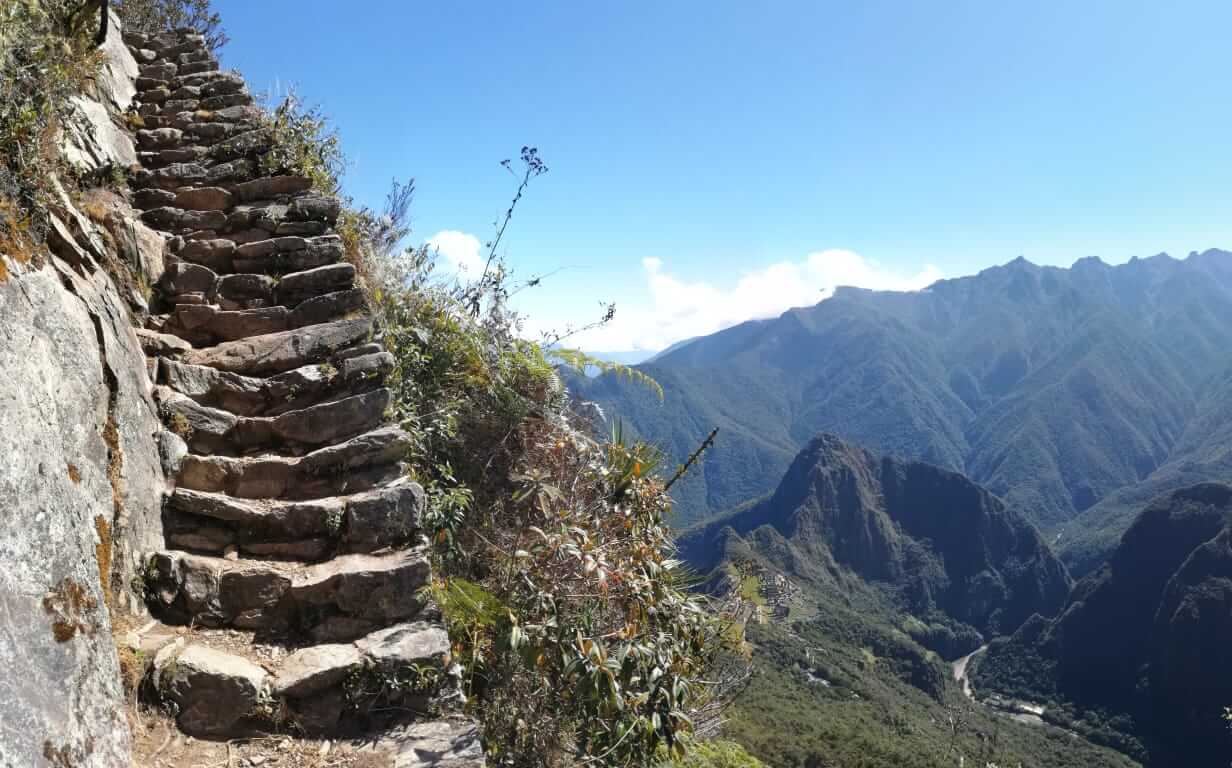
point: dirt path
(1023, 712)
(960, 671)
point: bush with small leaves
(303, 142)
(579, 638)
(43, 64)
(154, 16)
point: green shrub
(42, 65)
(556, 571)
(303, 143)
(154, 16)
(717, 754)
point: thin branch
(696, 455)
(534, 167)
(553, 338)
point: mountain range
(1076, 395)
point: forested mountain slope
(869, 573)
(1054, 388)
(1143, 640)
(942, 547)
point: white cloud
(460, 251)
(679, 309)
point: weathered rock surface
(299, 286)
(212, 690)
(444, 743)
(414, 643)
(338, 599)
(280, 352)
(81, 477)
(316, 668)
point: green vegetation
(582, 363)
(557, 576)
(43, 64)
(890, 560)
(815, 700)
(947, 552)
(717, 754)
(750, 589)
(47, 56)
(154, 16)
(569, 613)
(304, 143)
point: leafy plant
(303, 142)
(153, 16)
(569, 612)
(584, 363)
(41, 68)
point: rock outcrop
(929, 536)
(81, 478)
(293, 550)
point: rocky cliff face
(80, 479)
(932, 537)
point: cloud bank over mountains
(680, 309)
(675, 308)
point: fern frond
(580, 361)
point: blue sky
(716, 161)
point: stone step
(237, 306)
(306, 214)
(271, 187)
(213, 430)
(275, 353)
(268, 254)
(451, 742)
(371, 459)
(206, 127)
(197, 173)
(307, 530)
(201, 80)
(293, 390)
(328, 307)
(332, 601)
(298, 287)
(220, 690)
(179, 221)
(156, 344)
(240, 115)
(246, 143)
(211, 690)
(203, 325)
(182, 153)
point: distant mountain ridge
(1060, 390)
(930, 538)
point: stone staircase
(290, 598)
